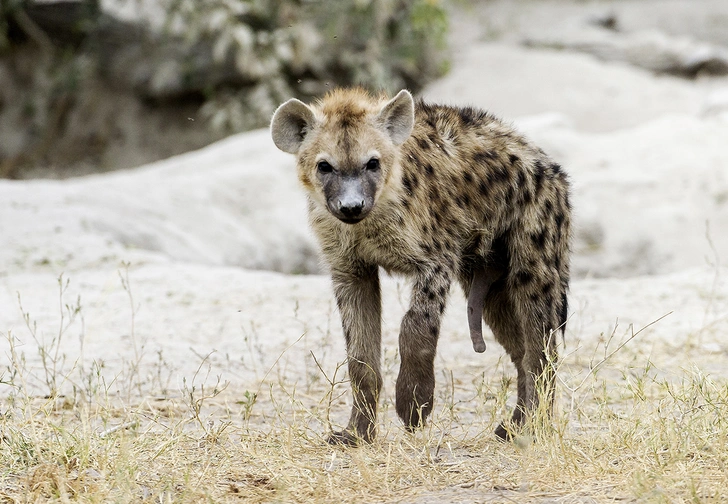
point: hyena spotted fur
(436, 193)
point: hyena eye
(324, 167)
(373, 164)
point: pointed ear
(398, 117)
(289, 125)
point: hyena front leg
(417, 346)
(359, 300)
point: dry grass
(623, 430)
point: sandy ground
(215, 247)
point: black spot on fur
(423, 144)
(483, 157)
(429, 169)
(526, 196)
(407, 184)
(469, 116)
(433, 194)
(521, 178)
(509, 194)
(513, 159)
(549, 206)
(556, 168)
(540, 174)
(444, 208)
(483, 188)
(468, 178)
(497, 175)
(503, 173)
(559, 220)
(524, 277)
(539, 239)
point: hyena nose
(351, 208)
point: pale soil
(649, 167)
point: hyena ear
(289, 125)
(398, 117)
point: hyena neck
(383, 238)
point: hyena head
(346, 147)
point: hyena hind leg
(530, 346)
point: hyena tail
(564, 313)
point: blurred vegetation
(280, 48)
(234, 60)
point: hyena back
(435, 193)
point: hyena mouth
(350, 220)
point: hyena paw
(414, 405)
(503, 432)
(508, 430)
(348, 438)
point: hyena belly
(439, 194)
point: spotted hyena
(436, 193)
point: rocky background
(89, 86)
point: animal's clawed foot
(413, 416)
(348, 438)
(504, 432)
(414, 401)
(510, 430)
